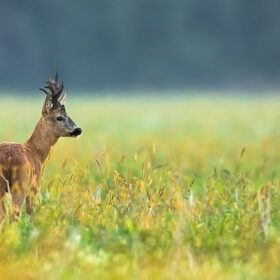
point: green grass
(172, 188)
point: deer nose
(77, 131)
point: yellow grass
(155, 188)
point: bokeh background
(132, 45)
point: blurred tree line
(140, 44)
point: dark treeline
(120, 44)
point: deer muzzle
(76, 132)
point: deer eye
(59, 119)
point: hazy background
(140, 44)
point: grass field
(170, 188)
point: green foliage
(159, 189)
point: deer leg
(18, 196)
(30, 199)
(2, 207)
(3, 187)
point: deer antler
(54, 92)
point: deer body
(21, 164)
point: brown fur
(21, 164)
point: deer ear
(62, 99)
(48, 104)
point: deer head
(54, 114)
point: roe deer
(21, 164)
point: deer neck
(41, 141)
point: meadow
(155, 188)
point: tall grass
(153, 189)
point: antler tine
(52, 92)
(60, 89)
(53, 85)
(56, 77)
(42, 89)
